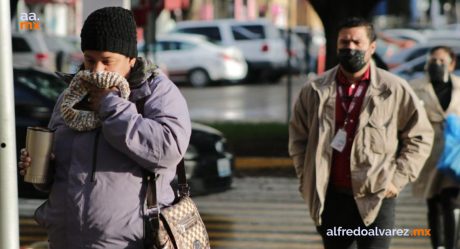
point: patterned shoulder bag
(178, 226)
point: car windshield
(248, 32)
(20, 45)
(211, 33)
(47, 85)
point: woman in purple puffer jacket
(97, 194)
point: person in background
(343, 138)
(439, 91)
(97, 193)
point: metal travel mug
(39, 144)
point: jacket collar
(378, 90)
(379, 85)
(142, 71)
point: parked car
(385, 50)
(30, 50)
(259, 40)
(405, 34)
(297, 52)
(315, 43)
(438, 35)
(67, 51)
(451, 27)
(40, 50)
(416, 67)
(404, 56)
(208, 163)
(191, 58)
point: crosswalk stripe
(256, 227)
(249, 205)
(27, 221)
(265, 236)
(249, 219)
(256, 212)
(32, 229)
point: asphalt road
(258, 102)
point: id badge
(340, 140)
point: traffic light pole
(150, 32)
(289, 76)
(9, 225)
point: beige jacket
(431, 181)
(391, 115)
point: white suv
(259, 40)
(30, 50)
(37, 49)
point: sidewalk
(251, 163)
(264, 166)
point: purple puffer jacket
(97, 197)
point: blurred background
(402, 24)
(240, 64)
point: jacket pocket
(376, 140)
(381, 134)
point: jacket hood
(142, 71)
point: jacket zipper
(95, 146)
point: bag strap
(184, 189)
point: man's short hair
(353, 22)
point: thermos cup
(39, 144)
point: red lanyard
(359, 92)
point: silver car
(40, 50)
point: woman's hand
(24, 162)
(96, 94)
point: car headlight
(191, 152)
(220, 147)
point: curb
(251, 163)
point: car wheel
(198, 78)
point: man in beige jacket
(357, 136)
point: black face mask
(438, 72)
(352, 60)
